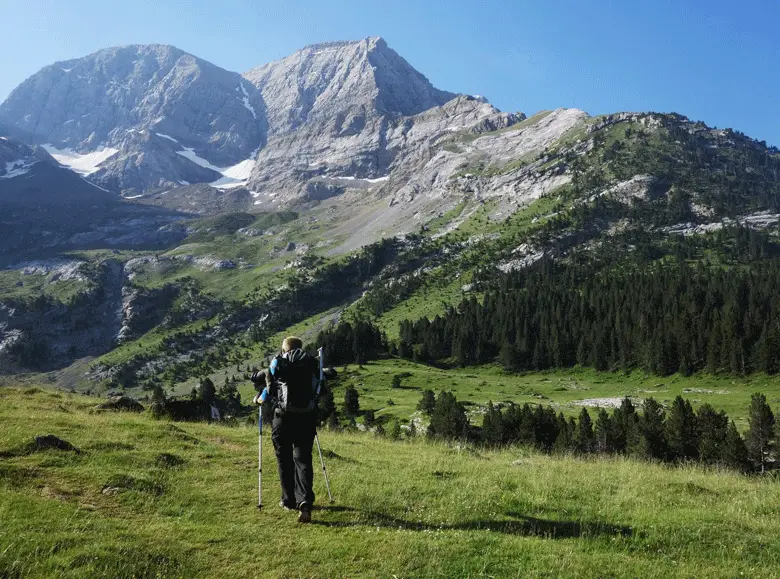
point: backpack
(296, 383)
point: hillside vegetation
(149, 498)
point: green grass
(145, 343)
(35, 285)
(561, 389)
(408, 509)
(429, 301)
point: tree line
(680, 435)
(662, 319)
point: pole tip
(259, 507)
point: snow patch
(134, 197)
(189, 154)
(170, 138)
(237, 175)
(248, 106)
(377, 180)
(183, 182)
(234, 176)
(66, 69)
(18, 167)
(83, 164)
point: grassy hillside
(149, 498)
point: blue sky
(716, 61)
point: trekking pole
(260, 456)
(324, 470)
(321, 353)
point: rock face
(122, 115)
(349, 119)
(49, 334)
(17, 158)
(202, 199)
(342, 83)
(145, 118)
(329, 109)
(142, 309)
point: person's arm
(263, 382)
(261, 397)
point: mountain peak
(368, 41)
(364, 76)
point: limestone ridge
(342, 115)
(338, 82)
(146, 119)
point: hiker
(291, 385)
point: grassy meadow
(151, 498)
(566, 390)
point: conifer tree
(207, 392)
(651, 427)
(508, 356)
(448, 419)
(682, 431)
(583, 439)
(760, 435)
(230, 397)
(327, 406)
(603, 433)
(625, 427)
(712, 429)
(493, 426)
(427, 402)
(564, 441)
(351, 407)
(735, 454)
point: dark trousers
(293, 438)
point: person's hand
(258, 399)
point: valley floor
(159, 499)
(566, 390)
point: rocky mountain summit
(342, 83)
(122, 114)
(147, 119)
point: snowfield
(233, 176)
(83, 164)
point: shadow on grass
(335, 509)
(329, 454)
(518, 525)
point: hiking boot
(286, 506)
(305, 516)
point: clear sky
(711, 60)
